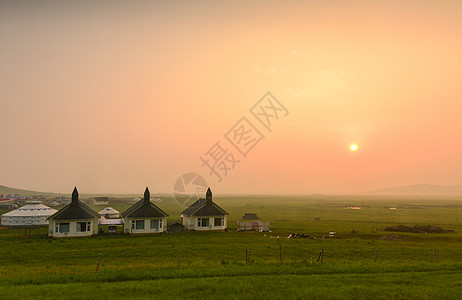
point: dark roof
(171, 224)
(202, 207)
(250, 216)
(143, 209)
(76, 210)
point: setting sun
(353, 147)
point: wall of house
(147, 226)
(191, 223)
(23, 221)
(73, 228)
(186, 221)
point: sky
(251, 97)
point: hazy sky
(112, 96)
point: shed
(250, 221)
(175, 227)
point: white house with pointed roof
(73, 220)
(205, 215)
(144, 217)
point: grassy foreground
(356, 263)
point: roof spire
(75, 196)
(208, 195)
(147, 195)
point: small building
(74, 220)
(34, 213)
(175, 227)
(109, 213)
(204, 214)
(100, 200)
(144, 217)
(250, 221)
(250, 216)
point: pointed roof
(147, 195)
(144, 208)
(76, 210)
(75, 195)
(208, 195)
(205, 207)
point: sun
(353, 147)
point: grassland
(213, 264)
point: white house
(73, 220)
(100, 200)
(34, 213)
(144, 217)
(250, 221)
(204, 214)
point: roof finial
(208, 195)
(147, 195)
(75, 196)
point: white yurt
(34, 213)
(109, 213)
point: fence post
(376, 253)
(246, 256)
(99, 260)
(321, 254)
(437, 254)
(249, 256)
(179, 259)
(280, 253)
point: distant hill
(422, 189)
(4, 190)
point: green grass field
(213, 264)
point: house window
(63, 227)
(202, 222)
(219, 222)
(137, 224)
(81, 226)
(88, 226)
(155, 224)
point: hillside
(4, 190)
(422, 189)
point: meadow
(356, 264)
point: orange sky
(115, 95)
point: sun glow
(353, 147)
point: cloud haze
(113, 96)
